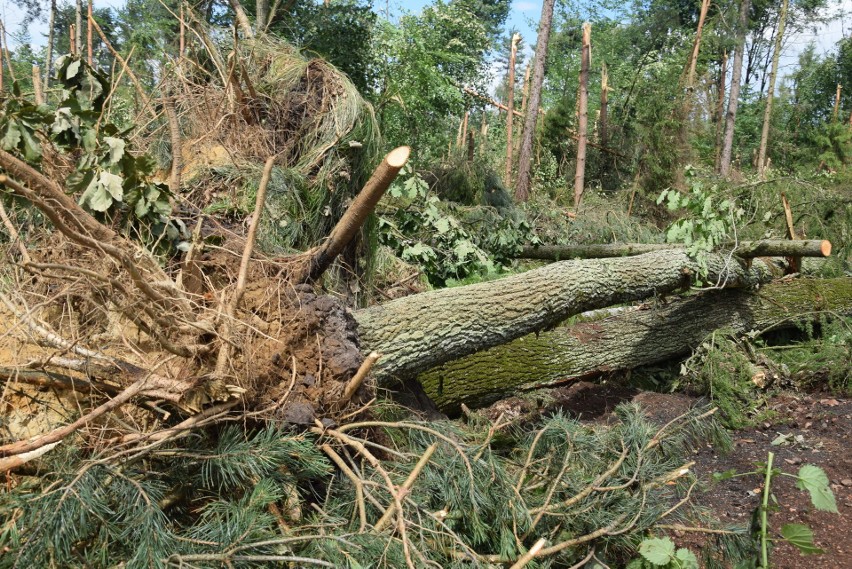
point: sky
(524, 17)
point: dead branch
(231, 310)
(90, 234)
(53, 380)
(358, 378)
(406, 486)
(146, 102)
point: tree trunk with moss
(638, 337)
(425, 330)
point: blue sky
(524, 16)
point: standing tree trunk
(78, 28)
(182, 35)
(603, 133)
(696, 47)
(734, 96)
(525, 92)
(522, 190)
(582, 123)
(510, 105)
(37, 92)
(89, 34)
(720, 107)
(48, 58)
(684, 112)
(770, 94)
(837, 102)
(262, 16)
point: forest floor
(816, 429)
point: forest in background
(234, 332)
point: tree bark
(241, 19)
(745, 249)
(628, 340)
(720, 108)
(262, 16)
(583, 122)
(48, 58)
(836, 102)
(603, 133)
(696, 47)
(522, 187)
(78, 28)
(734, 96)
(89, 52)
(428, 329)
(770, 93)
(510, 106)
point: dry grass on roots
(277, 102)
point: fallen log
(428, 329)
(628, 340)
(745, 250)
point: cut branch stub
(357, 213)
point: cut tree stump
(630, 339)
(421, 331)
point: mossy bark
(630, 339)
(418, 332)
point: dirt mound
(306, 355)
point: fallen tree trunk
(428, 329)
(628, 340)
(746, 249)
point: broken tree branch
(745, 249)
(355, 216)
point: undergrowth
(246, 496)
(739, 373)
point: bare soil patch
(817, 428)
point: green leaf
(801, 537)
(464, 248)
(673, 200)
(727, 475)
(657, 551)
(112, 184)
(142, 208)
(687, 558)
(32, 148)
(12, 138)
(442, 225)
(96, 196)
(116, 149)
(814, 480)
(73, 69)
